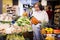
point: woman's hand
(39, 21)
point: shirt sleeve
(46, 17)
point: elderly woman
(40, 15)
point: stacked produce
(57, 16)
(12, 30)
(50, 31)
(47, 31)
(3, 27)
(9, 29)
(5, 17)
(14, 37)
(50, 37)
(24, 23)
(57, 31)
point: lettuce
(23, 21)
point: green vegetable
(22, 21)
(14, 37)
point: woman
(41, 16)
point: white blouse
(41, 16)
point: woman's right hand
(39, 21)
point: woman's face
(36, 7)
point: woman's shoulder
(44, 12)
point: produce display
(56, 31)
(6, 17)
(14, 37)
(47, 31)
(9, 29)
(12, 30)
(57, 16)
(43, 31)
(50, 37)
(24, 23)
(50, 31)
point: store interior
(16, 27)
(51, 3)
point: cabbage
(23, 21)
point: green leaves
(14, 37)
(23, 21)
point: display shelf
(57, 16)
(57, 6)
(57, 10)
